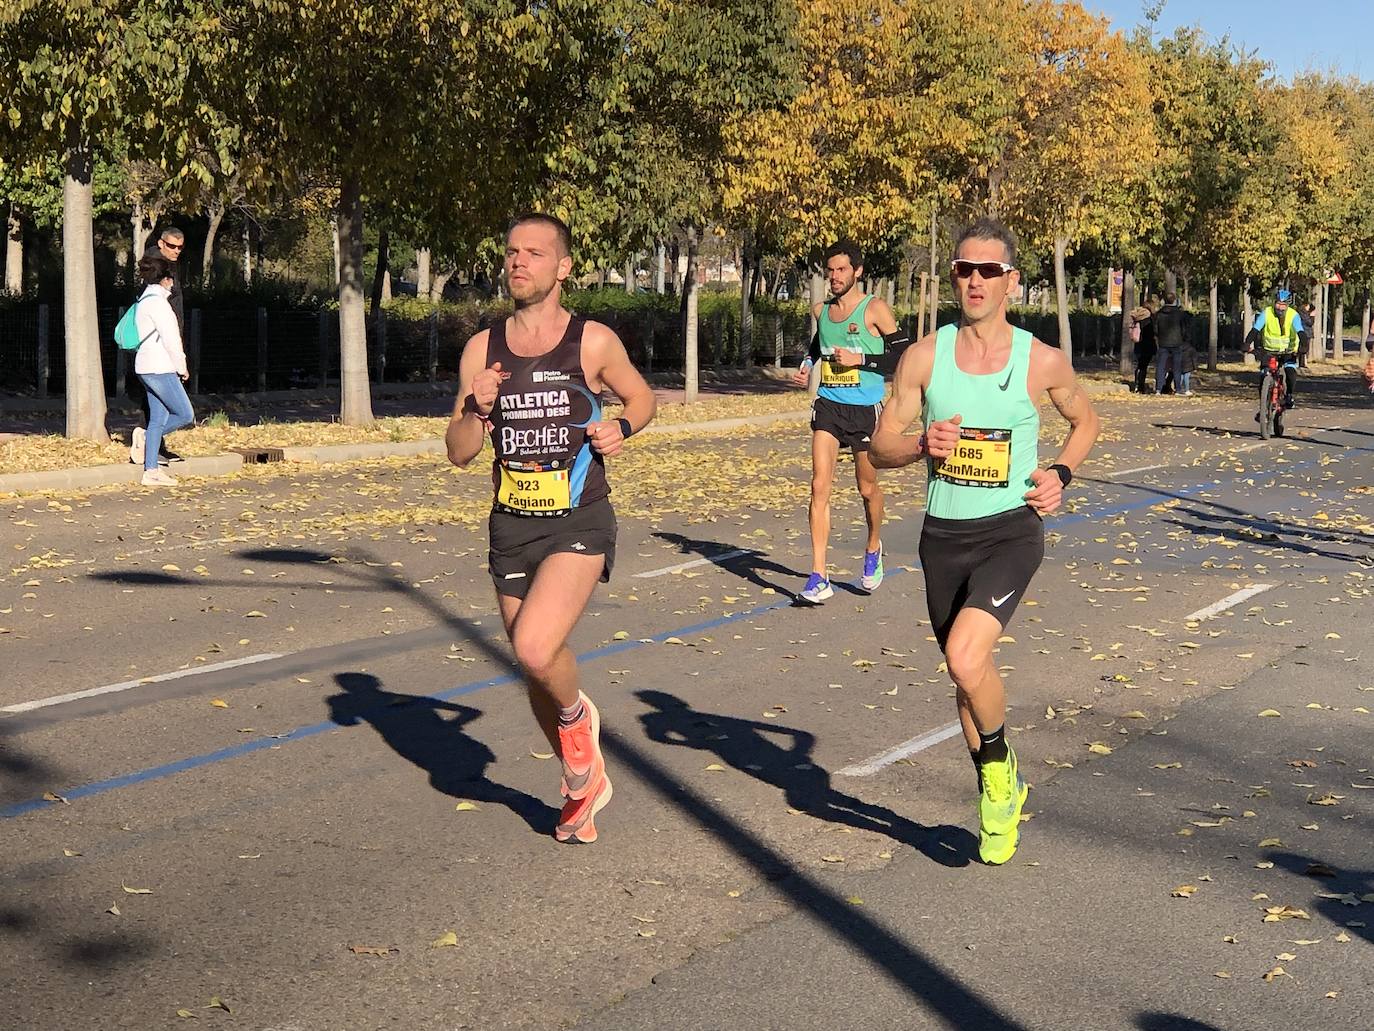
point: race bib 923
(982, 458)
(534, 491)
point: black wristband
(625, 428)
(1064, 473)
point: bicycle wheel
(1266, 407)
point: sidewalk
(413, 405)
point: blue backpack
(126, 330)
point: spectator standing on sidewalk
(1187, 366)
(1143, 335)
(1172, 329)
(167, 245)
(160, 364)
(1309, 320)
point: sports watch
(1063, 472)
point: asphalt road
(280, 737)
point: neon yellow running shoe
(999, 809)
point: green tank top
(848, 386)
(989, 472)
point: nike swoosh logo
(997, 602)
(1007, 382)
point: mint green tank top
(847, 386)
(989, 472)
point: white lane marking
(695, 562)
(1167, 465)
(917, 744)
(1142, 469)
(60, 699)
(1217, 608)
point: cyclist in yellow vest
(1280, 331)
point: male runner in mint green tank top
(980, 384)
(857, 344)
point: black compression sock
(994, 745)
(977, 769)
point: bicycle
(1273, 396)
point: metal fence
(243, 350)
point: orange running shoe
(580, 747)
(576, 823)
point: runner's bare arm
(466, 431)
(1052, 369)
(604, 355)
(891, 448)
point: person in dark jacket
(168, 244)
(1143, 334)
(1172, 328)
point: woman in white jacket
(161, 365)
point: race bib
(534, 491)
(833, 374)
(982, 458)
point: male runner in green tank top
(980, 384)
(857, 344)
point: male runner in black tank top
(534, 382)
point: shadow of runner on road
(937, 991)
(416, 729)
(781, 756)
(1351, 888)
(749, 566)
(1171, 1022)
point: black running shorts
(520, 543)
(851, 425)
(979, 563)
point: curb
(104, 475)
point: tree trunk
(690, 351)
(355, 394)
(436, 286)
(1338, 329)
(1364, 326)
(660, 267)
(215, 212)
(14, 251)
(674, 268)
(247, 250)
(85, 379)
(379, 273)
(1126, 357)
(1187, 293)
(934, 280)
(337, 257)
(1212, 327)
(422, 272)
(1247, 309)
(1061, 297)
(746, 312)
(1080, 293)
(139, 223)
(934, 302)
(1170, 281)
(921, 307)
(1318, 328)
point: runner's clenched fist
(942, 436)
(485, 386)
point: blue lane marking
(99, 787)
(152, 773)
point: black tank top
(544, 464)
